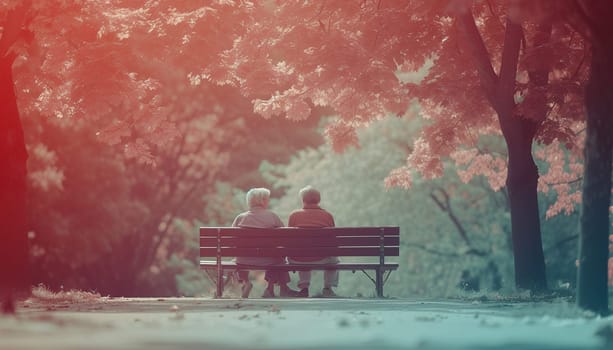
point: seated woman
(258, 216)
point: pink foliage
(471, 163)
(342, 135)
(563, 175)
(113, 64)
(399, 177)
(354, 57)
(424, 160)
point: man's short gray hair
(310, 195)
(258, 197)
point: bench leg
(219, 292)
(379, 283)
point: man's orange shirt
(310, 216)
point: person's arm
(278, 222)
(291, 221)
(237, 220)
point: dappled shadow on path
(300, 324)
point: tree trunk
(518, 132)
(14, 269)
(592, 289)
(521, 184)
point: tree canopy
(355, 57)
(448, 228)
(137, 76)
(491, 69)
(118, 72)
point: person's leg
(330, 277)
(284, 290)
(243, 278)
(271, 276)
(283, 277)
(304, 279)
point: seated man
(258, 216)
(311, 215)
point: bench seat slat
(298, 252)
(231, 265)
(297, 242)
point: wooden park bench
(374, 243)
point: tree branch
(494, 14)
(447, 254)
(445, 206)
(508, 68)
(562, 242)
(476, 46)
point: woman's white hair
(258, 197)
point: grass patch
(44, 295)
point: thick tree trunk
(14, 269)
(518, 132)
(521, 184)
(592, 289)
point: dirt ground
(205, 323)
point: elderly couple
(259, 216)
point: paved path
(356, 324)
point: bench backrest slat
(297, 242)
(299, 252)
(302, 242)
(263, 232)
